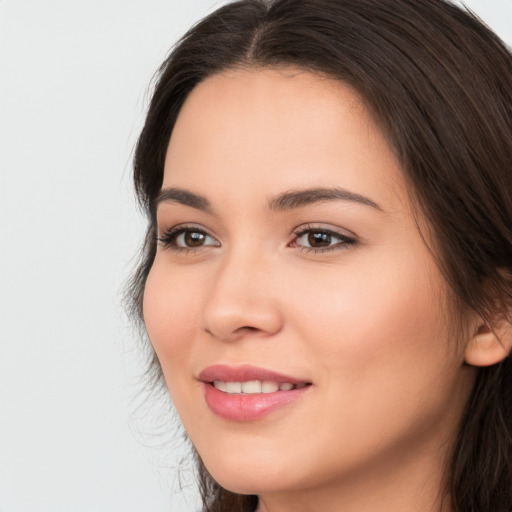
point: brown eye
(193, 238)
(187, 238)
(190, 239)
(319, 239)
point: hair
(439, 83)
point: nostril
(233, 319)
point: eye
(183, 238)
(321, 240)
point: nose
(243, 300)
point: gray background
(73, 82)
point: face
(299, 319)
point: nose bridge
(241, 299)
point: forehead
(264, 130)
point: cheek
(383, 328)
(385, 365)
(170, 315)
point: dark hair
(440, 84)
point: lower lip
(247, 407)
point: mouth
(247, 393)
(247, 373)
(255, 387)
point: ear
(489, 344)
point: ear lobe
(489, 345)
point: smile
(248, 393)
(254, 387)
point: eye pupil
(319, 239)
(194, 239)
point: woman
(326, 281)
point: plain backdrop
(73, 90)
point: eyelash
(168, 240)
(345, 240)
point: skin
(365, 322)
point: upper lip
(245, 373)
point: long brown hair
(440, 84)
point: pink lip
(244, 373)
(241, 407)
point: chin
(249, 484)
(250, 477)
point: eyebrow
(287, 201)
(184, 197)
(300, 198)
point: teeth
(220, 385)
(234, 387)
(253, 387)
(269, 387)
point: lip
(247, 407)
(244, 373)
